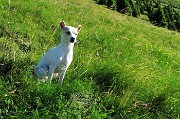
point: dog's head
(69, 33)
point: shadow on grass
(158, 105)
(12, 72)
(5, 67)
(9, 67)
(104, 80)
(108, 79)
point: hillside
(123, 67)
(159, 12)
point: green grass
(123, 67)
(173, 2)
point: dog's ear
(62, 25)
(79, 28)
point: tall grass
(173, 2)
(122, 68)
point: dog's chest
(63, 62)
(66, 60)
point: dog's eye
(68, 33)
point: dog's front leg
(61, 76)
(50, 73)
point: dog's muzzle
(72, 40)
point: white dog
(56, 61)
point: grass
(123, 67)
(173, 2)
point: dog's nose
(72, 40)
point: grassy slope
(123, 67)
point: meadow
(123, 67)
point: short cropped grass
(123, 67)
